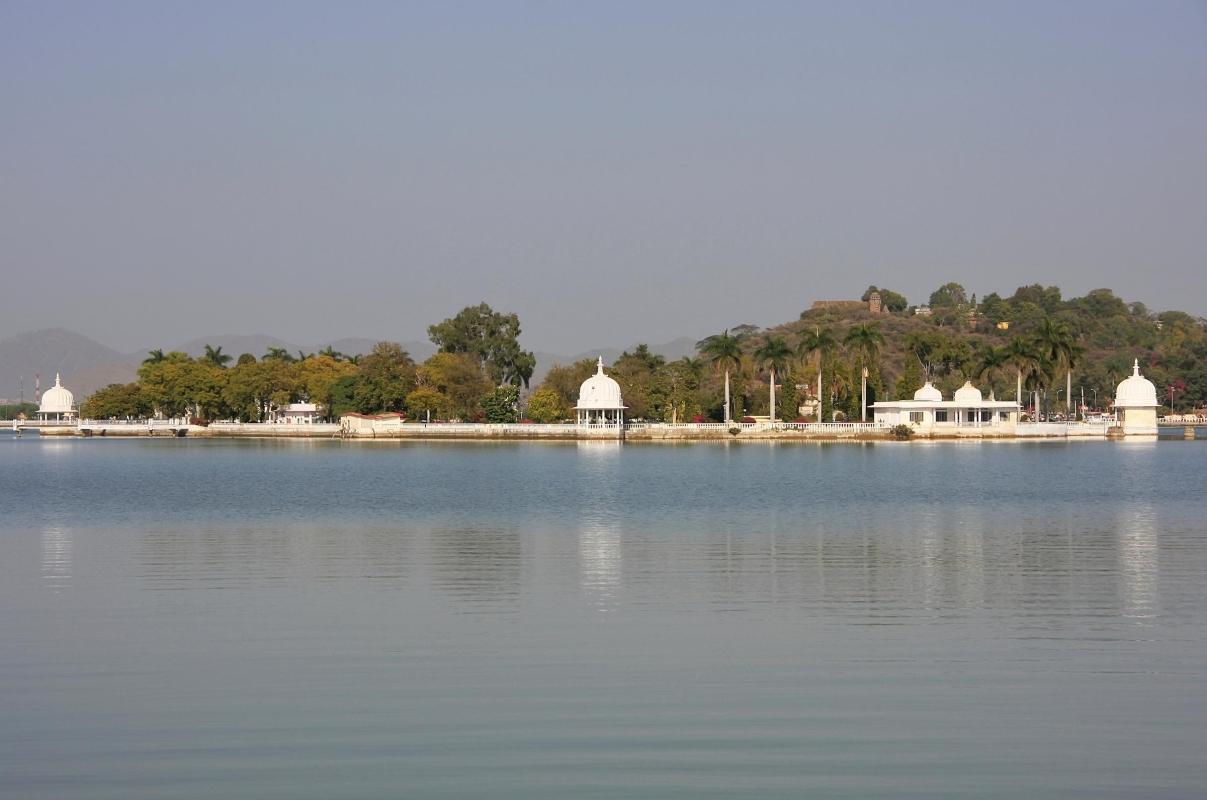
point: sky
(613, 172)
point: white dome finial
(599, 366)
(1136, 367)
(56, 380)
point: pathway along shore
(633, 432)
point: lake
(314, 619)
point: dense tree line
(1033, 344)
(474, 376)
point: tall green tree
(215, 356)
(387, 376)
(724, 352)
(948, 295)
(1057, 344)
(865, 341)
(1027, 362)
(492, 337)
(992, 363)
(818, 344)
(774, 355)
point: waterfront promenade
(632, 431)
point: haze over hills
(87, 365)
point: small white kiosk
(57, 403)
(1136, 404)
(599, 401)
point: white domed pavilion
(928, 394)
(599, 400)
(57, 403)
(967, 413)
(1136, 404)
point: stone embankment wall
(634, 432)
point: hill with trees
(1033, 341)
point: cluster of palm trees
(1036, 360)
(775, 355)
(215, 356)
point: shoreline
(419, 432)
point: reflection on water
(481, 564)
(56, 558)
(599, 561)
(1138, 556)
(780, 621)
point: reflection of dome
(1136, 391)
(56, 399)
(968, 394)
(599, 392)
(929, 393)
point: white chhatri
(599, 400)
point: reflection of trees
(247, 555)
(1037, 563)
(477, 563)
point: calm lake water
(199, 619)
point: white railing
(276, 427)
(826, 427)
(1025, 429)
(1183, 419)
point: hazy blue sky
(612, 171)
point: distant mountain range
(86, 365)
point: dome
(1136, 391)
(968, 395)
(56, 399)
(599, 391)
(929, 394)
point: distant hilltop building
(874, 304)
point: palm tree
(819, 344)
(774, 355)
(723, 352)
(331, 353)
(279, 354)
(1058, 345)
(153, 357)
(865, 340)
(215, 356)
(1022, 355)
(991, 361)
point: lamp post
(1171, 391)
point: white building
(1136, 404)
(599, 401)
(966, 414)
(57, 403)
(354, 424)
(297, 414)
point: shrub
(902, 433)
